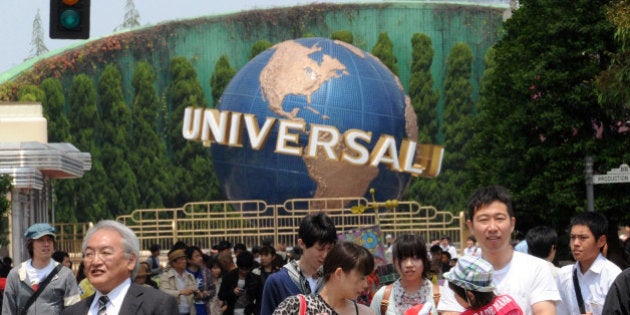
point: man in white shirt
(524, 277)
(592, 271)
(445, 243)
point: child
(471, 281)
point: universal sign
(210, 125)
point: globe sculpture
(317, 81)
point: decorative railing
(252, 221)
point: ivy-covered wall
(204, 40)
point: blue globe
(317, 82)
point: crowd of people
(325, 276)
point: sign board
(616, 175)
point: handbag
(40, 288)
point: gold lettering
(258, 137)
(356, 153)
(284, 137)
(385, 152)
(317, 138)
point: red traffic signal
(70, 19)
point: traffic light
(70, 19)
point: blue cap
(38, 230)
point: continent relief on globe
(290, 70)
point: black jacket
(253, 289)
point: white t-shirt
(451, 250)
(527, 279)
(38, 275)
(594, 285)
(472, 251)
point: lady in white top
(413, 287)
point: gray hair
(129, 240)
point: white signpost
(616, 175)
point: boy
(471, 281)
(317, 235)
(593, 273)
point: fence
(252, 221)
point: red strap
(302, 304)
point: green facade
(203, 40)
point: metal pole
(589, 183)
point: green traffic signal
(70, 19)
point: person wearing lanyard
(28, 277)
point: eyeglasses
(104, 254)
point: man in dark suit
(110, 256)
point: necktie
(102, 305)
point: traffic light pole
(589, 183)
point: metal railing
(251, 222)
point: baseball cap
(178, 253)
(38, 230)
(471, 273)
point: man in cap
(110, 256)
(178, 283)
(39, 285)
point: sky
(17, 16)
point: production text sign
(616, 175)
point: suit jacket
(139, 300)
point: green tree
(155, 185)
(89, 201)
(536, 122)
(132, 17)
(194, 172)
(121, 188)
(343, 35)
(53, 105)
(258, 47)
(30, 93)
(384, 50)
(223, 73)
(424, 100)
(37, 43)
(423, 97)
(59, 131)
(613, 132)
(444, 191)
